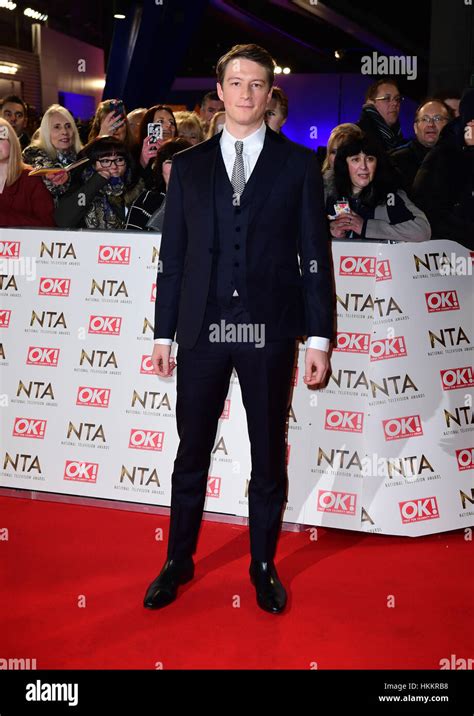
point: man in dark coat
(430, 118)
(444, 184)
(380, 113)
(245, 246)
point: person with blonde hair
(24, 200)
(134, 119)
(190, 127)
(55, 144)
(340, 134)
(216, 124)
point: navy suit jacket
(288, 267)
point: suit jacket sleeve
(174, 241)
(313, 248)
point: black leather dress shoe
(163, 590)
(271, 594)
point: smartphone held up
(155, 132)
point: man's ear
(219, 91)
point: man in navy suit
(245, 271)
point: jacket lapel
(266, 172)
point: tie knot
(239, 146)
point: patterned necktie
(238, 173)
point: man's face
(245, 92)
(431, 119)
(15, 114)
(211, 106)
(387, 102)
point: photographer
(111, 121)
(147, 212)
(157, 126)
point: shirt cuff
(163, 341)
(321, 344)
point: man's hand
(162, 363)
(316, 366)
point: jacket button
(211, 251)
(236, 263)
(236, 246)
(237, 228)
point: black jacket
(407, 160)
(444, 187)
(372, 123)
(287, 219)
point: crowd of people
(113, 173)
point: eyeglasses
(437, 119)
(388, 98)
(106, 163)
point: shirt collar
(252, 143)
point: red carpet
(339, 587)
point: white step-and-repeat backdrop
(386, 447)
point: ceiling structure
(301, 34)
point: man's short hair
(14, 99)
(373, 89)
(211, 97)
(439, 101)
(252, 52)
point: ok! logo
(347, 421)
(52, 286)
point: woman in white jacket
(364, 201)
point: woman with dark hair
(102, 192)
(364, 201)
(147, 148)
(111, 121)
(148, 210)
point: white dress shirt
(253, 145)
